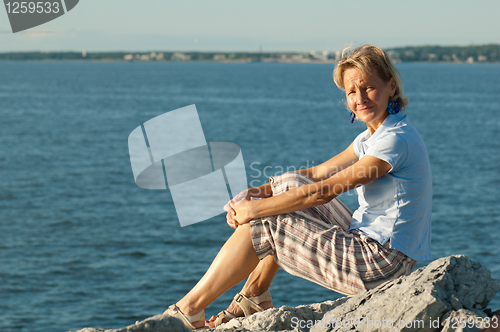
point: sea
(82, 245)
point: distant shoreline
(231, 62)
(433, 54)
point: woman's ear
(393, 85)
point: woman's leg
(345, 262)
(234, 262)
(261, 278)
(314, 244)
(257, 283)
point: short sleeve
(356, 144)
(391, 148)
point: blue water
(82, 245)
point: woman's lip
(364, 109)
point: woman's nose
(360, 97)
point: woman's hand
(243, 210)
(230, 215)
(238, 210)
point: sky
(273, 25)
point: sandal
(173, 311)
(221, 316)
(246, 304)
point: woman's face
(368, 97)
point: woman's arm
(362, 172)
(263, 191)
(316, 173)
(332, 166)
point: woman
(296, 222)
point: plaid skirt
(314, 244)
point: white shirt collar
(390, 121)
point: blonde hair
(366, 59)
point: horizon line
(247, 51)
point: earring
(393, 107)
(353, 116)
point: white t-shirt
(398, 205)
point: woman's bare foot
(236, 310)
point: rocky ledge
(449, 294)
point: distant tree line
(480, 53)
(62, 56)
(139, 56)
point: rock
(494, 324)
(158, 323)
(463, 320)
(418, 302)
(281, 319)
(430, 299)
